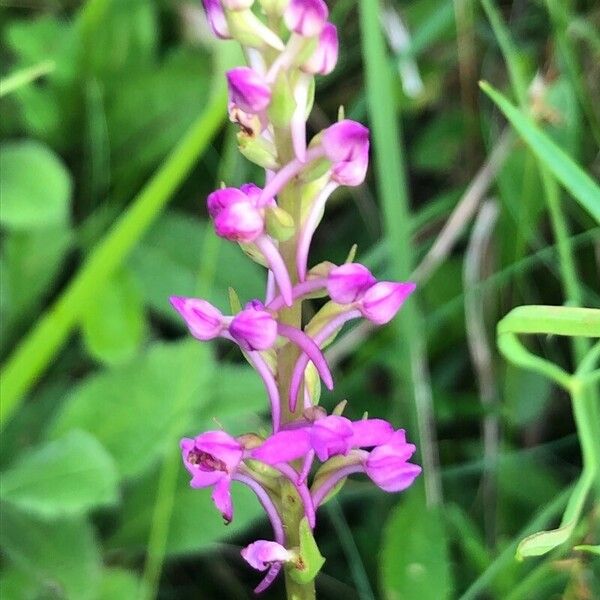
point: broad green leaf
(311, 560)
(562, 166)
(195, 524)
(166, 264)
(31, 262)
(35, 186)
(118, 584)
(114, 324)
(60, 555)
(415, 563)
(65, 477)
(135, 409)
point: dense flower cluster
(274, 93)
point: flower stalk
(274, 225)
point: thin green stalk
(567, 265)
(393, 187)
(24, 76)
(344, 534)
(291, 505)
(28, 362)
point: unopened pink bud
(262, 554)
(204, 321)
(216, 18)
(240, 222)
(220, 199)
(248, 90)
(382, 301)
(306, 17)
(254, 329)
(346, 145)
(347, 283)
(324, 58)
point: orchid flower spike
(212, 459)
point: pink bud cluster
(254, 218)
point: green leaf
(114, 323)
(35, 186)
(414, 558)
(166, 264)
(195, 524)
(310, 559)
(60, 555)
(65, 477)
(132, 409)
(542, 542)
(31, 262)
(563, 167)
(119, 584)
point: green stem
(292, 511)
(28, 362)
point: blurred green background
(113, 133)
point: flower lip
(346, 145)
(382, 301)
(262, 554)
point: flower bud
(237, 4)
(204, 321)
(239, 222)
(306, 17)
(346, 145)
(254, 329)
(219, 199)
(216, 18)
(250, 31)
(382, 301)
(262, 554)
(347, 283)
(248, 90)
(324, 57)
